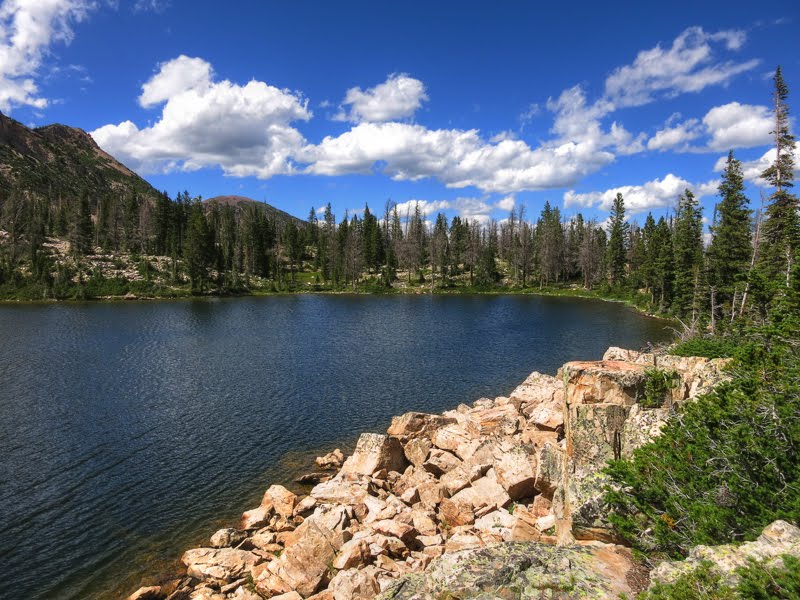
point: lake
(131, 431)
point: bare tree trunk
(756, 242)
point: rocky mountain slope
(57, 160)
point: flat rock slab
(522, 570)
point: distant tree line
(223, 247)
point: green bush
(704, 583)
(657, 384)
(709, 347)
(756, 582)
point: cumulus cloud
(508, 203)
(458, 158)
(173, 77)
(658, 193)
(675, 137)
(396, 98)
(737, 125)
(686, 66)
(28, 28)
(725, 127)
(244, 129)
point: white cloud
(182, 74)
(508, 203)
(737, 125)
(398, 97)
(725, 127)
(28, 28)
(676, 137)
(244, 129)
(687, 66)
(458, 158)
(658, 193)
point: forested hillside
(75, 223)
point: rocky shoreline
(502, 498)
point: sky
(470, 108)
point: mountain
(61, 161)
(240, 202)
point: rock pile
(439, 487)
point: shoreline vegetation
(637, 302)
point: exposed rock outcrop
(472, 501)
(778, 539)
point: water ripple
(128, 431)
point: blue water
(128, 432)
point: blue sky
(473, 108)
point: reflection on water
(130, 431)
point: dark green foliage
(781, 238)
(755, 582)
(688, 248)
(776, 583)
(709, 347)
(704, 583)
(657, 385)
(730, 251)
(617, 241)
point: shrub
(708, 347)
(657, 384)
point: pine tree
(688, 246)
(781, 236)
(731, 247)
(81, 233)
(616, 251)
(198, 248)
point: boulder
(603, 382)
(303, 566)
(287, 596)
(352, 554)
(484, 492)
(501, 420)
(454, 513)
(152, 592)
(227, 537)
(332, 460)
(282, 500)
(242, 593)
(354, 584)
(498, 524)
(226, 564)
(416, 424)
(375, 452)
(440, 462)
(416, 450)
(341, 490)
(537, 389)
(515, 466)
(462, 476)
(453, 437)
(205, 593)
